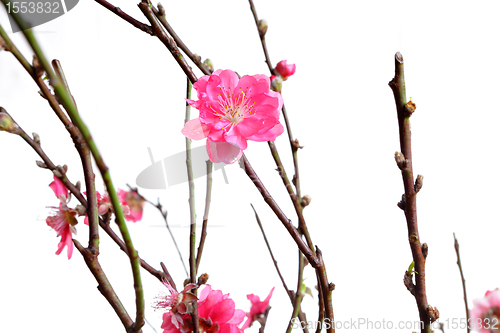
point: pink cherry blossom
(486, 312)
(216, 313)
(132, 205)
(63, 221)
(103, 205)
(257, 309)
(232, 111)
(285, 70)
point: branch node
(41, 165)
(37, 66)
(296, 145)
(425, 250)
(203, 278)
(306, 200)
(401, 161)
(419, 182)
(408, 282)
(402, 203)
(413, 238)
(262, 26)
(36, 138)
(433, 313)
(331, 286)
(410, 107)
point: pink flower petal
(58, 187)
(223, 152)
(195, 130)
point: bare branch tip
(399, 57)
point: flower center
(233, 108)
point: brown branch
(164, 215)
(409, 202)
(139, 25)
(262, 37)
(208, 199)
(294, 143)
(311, 257)
(145, 6)
(459, 263)
(326, 289)
(275, 262)
(104, 286)
(160, 14)
(79, 196)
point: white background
(131, 92)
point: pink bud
(285, 70)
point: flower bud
(36, 138)
(285, 70)
(41, 165)
(209, 64)
(37, 66)
(306, 200)
(262, 28)
(161, 9)
(7, 124)
(400, 160)
(202, 279)
(276, 83)
(419, 182)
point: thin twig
(69, 105)
(145, 6)
(83, 150)
(139, 25)
(289, 292)
(208, 199)
(262, 37)
(164, 215)
(192, 207)
(104, 286)
(74, 132)
(409, 202)
(459, 263)
(294, 144)
(311, 257)
(160, 14)
(275, 262)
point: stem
(104, 286)
(79, 196)
(311, 257)
(295, 199)
(262, 36)
(192, 212)
(296, 309)
(326, 290)
(275, 262)
(164, 214)
(290, 294)
(208, 199)
(459, 263)
(83, 150)
(69, 105)
(293, 143)
(160, 14)
(145, 7)
(410, 203)
(139, 25)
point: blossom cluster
(216, 311)
(63, 219)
